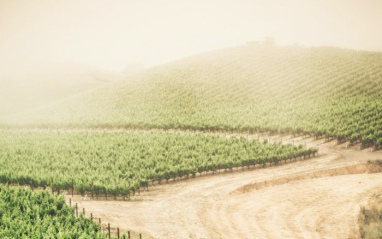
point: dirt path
(316, 198)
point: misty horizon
(111, 36)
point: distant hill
(256, 87)
(33, 89)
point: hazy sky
(111, 34)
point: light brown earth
(315, 198)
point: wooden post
(51, 184)
(70, 202)
(128, 235)
(118, 232)
(76, 210)
(140, 236)
(91, 216)
(72, 186)
(108, 228)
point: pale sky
(111, 34)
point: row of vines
(119, 163)
(24, 214)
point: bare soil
(314, 198)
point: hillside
(256, 87)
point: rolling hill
(319, 91)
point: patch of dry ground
(315, 198)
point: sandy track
(316, 198)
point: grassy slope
(318, 91)
(370, 218)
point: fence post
(140, 236)
(70, 202)
(51, 184)
(108, 228)
(128, 235)
(91, 216)
(76, 210)
(118, 232)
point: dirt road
(316, 198)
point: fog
(113, 34)
(90, 42)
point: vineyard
(24, 214)
(119, 163)
(182, 120)
(322, 92)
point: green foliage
(24, 214)
(116, 163)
